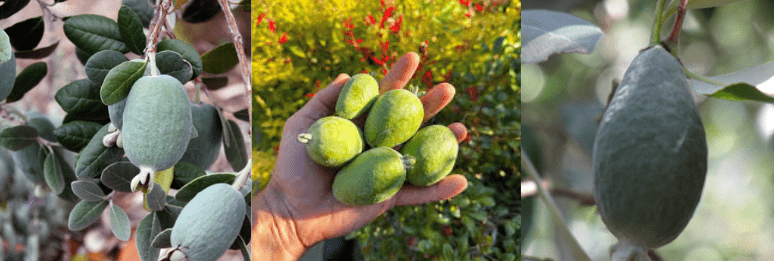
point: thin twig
(674, 35)
(244, 62)
(156, 24)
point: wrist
(274, 233)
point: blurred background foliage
(564, 95)
(301, 46)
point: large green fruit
(394, 118)
(372, 177)
(357, 96)
(209, 223)
(650, 154)
(435, 150)
(203, 150)
(157, 123)
(7, 66)
(333, 141)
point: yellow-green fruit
(357, 96)
(394, 118)
(7, 66)
(333, 141)
(650, 154)
(435, 150)
(157, 123)
(203, 150)
(209, 223)
(372, 177)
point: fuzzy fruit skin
(435, 150)
(209, 223)
(334, 141)
(394, 118)
(8, 67)
(203, 150)
(372, 177)
(650, 153)
(157, 122)
(357, 96)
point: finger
(400, 73)
(437, 98)
(446, 188)
(459, 130)
(324, 101)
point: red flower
(396, 27)
(348, 23)
(377, 61)
(384, 71)
(382, 1)
(284, 38)
(260, 18)
(448, 76)
(359, 40)
(385, 45)
(467, 15)
(427, 78)
(387, 14)
(370, 19)
(465, 2)
(364, 71)
(479, 8)
(272, 27)
(473, 92)
(309, 95)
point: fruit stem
(242, 176)
(655, 37)
(304, 138)
(152, 62)
(702, 78)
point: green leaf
(95, 156)
(94, 33)
(118, 176)
(163, 240)
(99, 65)
(214, 83)
(88, 191)
(76, 134)
(119, 223)
(156, 197)
(37, 53)
(187, 192)
(130, 27)
(84, 214)
(81, 97)
(741, 92)
(242, 115)
(26, 35)
(26, 80)
(448, 252)
(221, 59)
(142, 8)
(184, 173)
(82, 55)
(243, 248)
(184, 49)
(11, 7)
(18, 137)
(236, 152)
(172, 63)
(199, 11)
(147, 230)
(53, 171)
(119, 81)
(5, 47)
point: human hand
(297, 208)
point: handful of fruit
(372, 171)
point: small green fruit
(203, 150)
(435, 150)
(7, 66)
(333, 141)
(209, 223)
(650, 153)
(357, 96)
(372, 177)
(394, 118)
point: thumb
(446, 188)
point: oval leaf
(26, 80)
(130, 27)
(214, 83)
(53, 172)
(119, 223)
(84, 214)
(118, 176)
(221, 59)
(147, 230)
(81, 97)
(88, 191)
(11, 7)
(76, 134)
(162, 240)
(753, 83)
(119, 81)
(236, 151)
(547, 32)
(742, 92)
(186, 50)
(142, 8)
(37, 53)
(26, 35)
(242, 115)
(156, 198)
(94, 33)
(199, 11)
(184, 173)
(95, 156)
(18, 137)
(171, 63)
(187, 192)
(99, 65)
